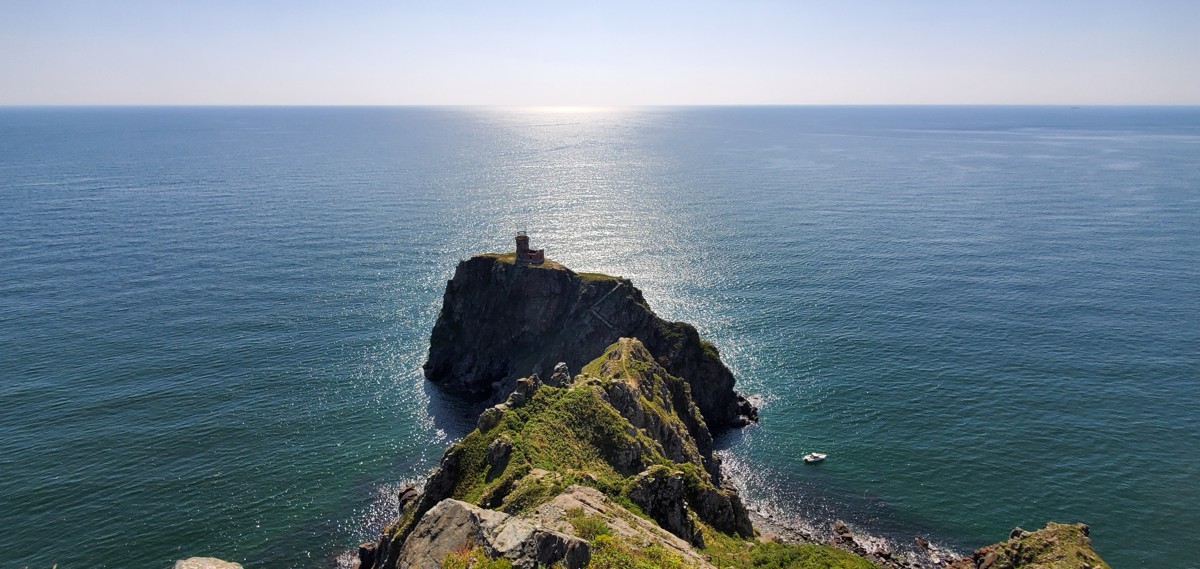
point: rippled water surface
(212, 320)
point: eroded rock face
(662, 495)
(500, 321)
(651, 399)
(723, 508)
(452, 525)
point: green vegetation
(609, 552)
(806, 556)
(732, 552)
(612, 552)
(559, 437)
(587, 527)
(473, 558)
(502, 257)
(597, 277)
(528, 452)
(1056, 546)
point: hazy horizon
(543, 54)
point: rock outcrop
(624, 427)
(501, 320)
(624, 524)
(1056, 546)
(616, 464)
(452, 525)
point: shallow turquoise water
(212, 320)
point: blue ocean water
(212, 319)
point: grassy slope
(564, 436)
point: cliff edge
(501, 320)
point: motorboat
(814, 457)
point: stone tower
(527, 255)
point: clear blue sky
(586, 53)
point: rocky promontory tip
(503, 318)
(613, 467)
(1056, 546)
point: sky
(608, 53)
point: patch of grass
(588, 527)
(570, 432)
(610, 552)
(805, 556)
(597, 277)
(502, 257)
(473, 558)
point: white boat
(814, 457)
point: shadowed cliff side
(501, 320)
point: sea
(213, 319)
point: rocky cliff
(624, 433)
(614, 466)
(502, 320)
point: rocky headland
(597, 450)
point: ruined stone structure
(527, 255)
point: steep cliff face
(501, 320)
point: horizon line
(575, 106)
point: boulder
(561, 376)
(452, 526)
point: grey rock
(723, 509)
(407, 494)
(627, 527)
(661, 494)
(523, 391)
(498, 453)
(561, 376)
(452, 525)
(491, 417)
